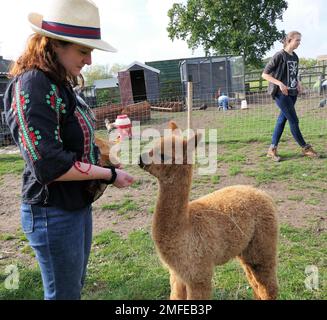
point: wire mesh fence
(254, 122)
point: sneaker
(272, 153)
(309, 152)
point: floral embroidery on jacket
(56, 105)
(57, 134)
(54, 101)
(28, 137)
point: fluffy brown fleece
(107, 158)
(191, 238)
(104, 146)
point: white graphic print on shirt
(292, 74)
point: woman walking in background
(284, 87)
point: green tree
(116, 67)
(238, 27)
(96, 72)
(308, 62)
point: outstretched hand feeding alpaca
(191, 238)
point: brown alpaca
(105, 146)
(191, 238)
(107, 158)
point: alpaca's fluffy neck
(171, 215)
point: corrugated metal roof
(106, 83)
(142, 65)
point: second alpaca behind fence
(191, 238)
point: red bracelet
(77, 166)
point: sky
(137, 28)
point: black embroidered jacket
(52, 130)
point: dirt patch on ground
(10, 189)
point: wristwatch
(113, 175)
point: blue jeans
(223, 103)
(286, 105)
(61, 241)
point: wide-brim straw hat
(75, 21)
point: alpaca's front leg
(177, 287)
(200, 288)
(199, 291)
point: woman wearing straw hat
(55, 134)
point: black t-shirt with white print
(289, 75)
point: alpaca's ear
(175, 130)
(189, 146)
(110, 126)
(172, 125)
(194, 140)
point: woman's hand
(283, 89)
(123, 179)
(278, 83)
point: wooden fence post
(189, 105)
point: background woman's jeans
(62, 241)
(223, 102)
(286, 105)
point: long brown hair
(39, 54)
(289, 37)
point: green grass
(299, 249)
(130, 266)
(30, 285)
(122, 207)
(6, 237)
(215, 179)
(293, 168)
(234, 157)
(234, 170)
(13, 164)
(137, 184)
(295, 198)
(151, 209)
(121, 268)
(312, 201)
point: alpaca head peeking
(170, 154)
